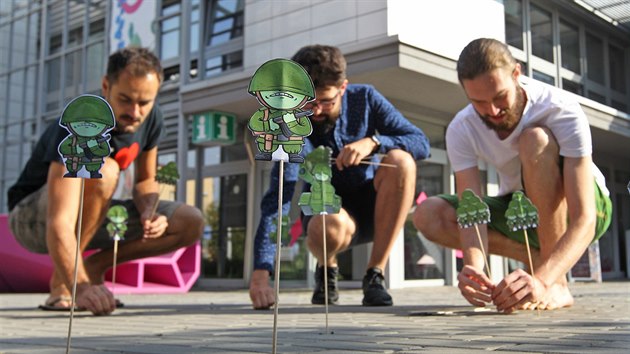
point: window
(572, 86)
(220, 63)
(169, 32)
(569, 47)
(225, 21)
(595, 58)
(542, 37)
(194, 26)
(618, 72)
(514, 23)
(548, 79)
(568, 50)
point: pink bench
(23, 271)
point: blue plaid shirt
(364, 112)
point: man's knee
(537, 141)
(105, 186)
(430, 217)
(337, 229)
(191, 224)
(404, 170)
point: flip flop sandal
(52, 304)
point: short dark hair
(139, 61)
(481, 56)
(325, 64)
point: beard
(512, 115)
(323, 127)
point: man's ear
(517, 71)
(342, 88)
(104, 86)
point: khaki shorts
(498, 222)
(28, 222)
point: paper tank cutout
(472, 210)
(521, 213)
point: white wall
(444, 27)
(278, 28)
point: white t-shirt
(469, 139)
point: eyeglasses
(323, 104)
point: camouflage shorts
(28, 222)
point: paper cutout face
(472, 210)
(87, 118)
(282, 87)
(521, 213)
(117, 226)
(316, 171)
(167, 174)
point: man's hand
(261, 294)
(156, 227)
(517, 290)
(475, 286)
(352, 154)
(95, 298)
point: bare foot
(60, 295)
(557, 297)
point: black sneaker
(374, 293)
(319, 295)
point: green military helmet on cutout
(117, 214)
(282, 75)
(88, 108)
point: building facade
(54, 50)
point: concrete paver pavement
(425, 319)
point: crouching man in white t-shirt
(538, 139)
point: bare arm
(146, 194)
(62, 216)
(472, 281)
(473, 256)
(61, 221)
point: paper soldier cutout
(282, 86)
(285, 227)
(321, 199)
(87, 118)
(117, 226)
(472, 210)
(521, 213)
(317, 172)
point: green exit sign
(214, 128)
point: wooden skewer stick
(114, 265)
(325, 269)
(531, 263)
(373, 163)
(277, 266)
(483, 252)
(76, 266)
